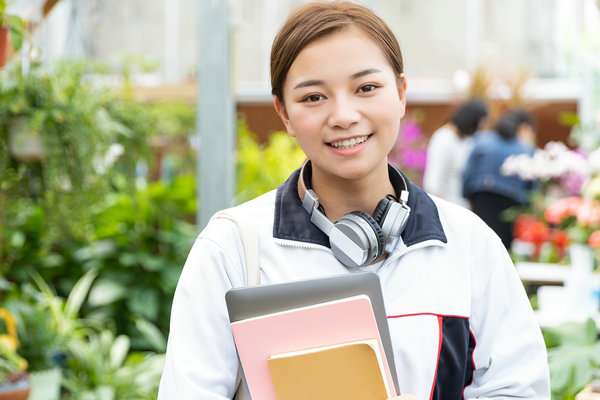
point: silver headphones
(357, 238)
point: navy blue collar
(292, 222)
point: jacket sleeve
(510, 355)
(201, 360)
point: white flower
(555, 160)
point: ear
(402, 89)
(280, 109)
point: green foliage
(99, 363)
(40, 341)
(139, 248)
(263, 168)
(174, 119)
(61, 107)
(46, 323)
(100, 367)
(573, 355)
(11, 363)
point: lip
(352, 150)
(362, 137)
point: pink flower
(588, 214)
(594, 240)
(562, 208)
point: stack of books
(329, 350)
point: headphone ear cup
(376, 229)
(356, 239)
(381, 211)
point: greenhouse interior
(126, 125)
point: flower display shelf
(555, 299)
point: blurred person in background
(448, 150)
(490, 192)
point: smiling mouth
(348, 143)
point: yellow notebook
(344, 371)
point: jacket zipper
(394, 256)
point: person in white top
(448, 150)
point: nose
(344, 113)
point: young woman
(461, 324)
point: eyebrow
(316, 82)
(365, 72)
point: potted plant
(47, 324)
(14, 380)
(42, 342)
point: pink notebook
(323, 324)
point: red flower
(529, 228)
(560, 239)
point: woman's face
(343, 104)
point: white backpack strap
(249, 239)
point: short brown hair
(318, 19)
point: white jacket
(459, 318)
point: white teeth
(347, 143)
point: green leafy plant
(41, 343)
(98, 364)
(101, 367)
(573, 356)
(261, 168)
(139, 248)
(46, 323)
(57, 106)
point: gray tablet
(252, 301)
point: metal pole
(172, 39)
(215, 112)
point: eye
(367, 88)
(313, 98)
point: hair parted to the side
(318, 19)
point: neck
(340, 196)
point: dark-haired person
(448, 149)
(488, 190)
(460, 321)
